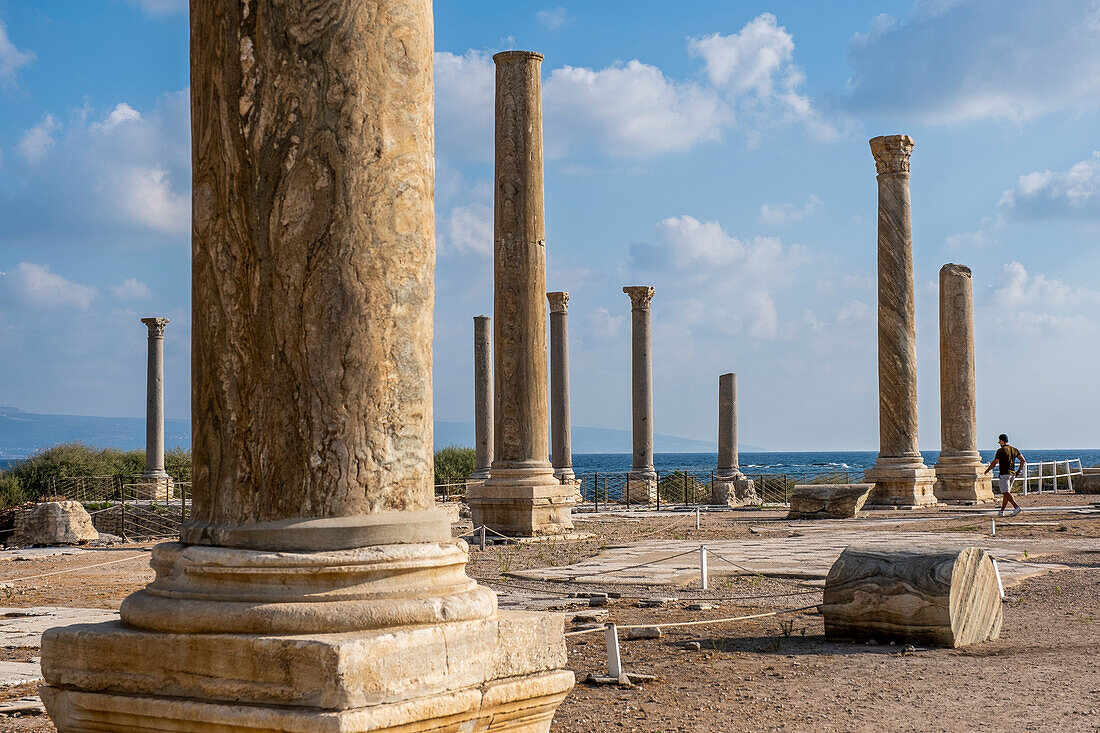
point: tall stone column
(730, 486)
(155, 482)
(483, 397)
(959, 468)
(521, 496)
(316, 585)
(559, 386)
(642, 480)
(899, 473)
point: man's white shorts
(1006, 482)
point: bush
(682, 487)
(454, 464)
(11, 491)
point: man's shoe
(1015, 511)
(1001, 513)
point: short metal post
(614, 663)
(696, 517)
(482, 537)
(992, 527)
(703, 566)
(997, 572)
(657, 478)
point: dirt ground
(775, 673)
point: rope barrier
(681, 624)
(73, 570)
(634, 567)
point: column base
(500, 674)
(962, 481)
(734, 490)
(900, 483)
(156, 486)
(522, 502)
(640, 487)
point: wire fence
(133, 507)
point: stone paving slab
(18, 673)
(797, 556)
(23, 627)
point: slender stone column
(155, 482)
(643, 477)
(959, 467)
(314, 542)
(899, 474)
(730, 485)
(483, 397)
(521, 496)
(559, 386)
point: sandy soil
(776, 673)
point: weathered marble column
(959, 466)
(483, 397)
(521, 496)
(562, 453)
(643, 477)
(316, 585)
(730, 486)
(155, 482)
(899, 474)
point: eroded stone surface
(53, 523)
(828, 501)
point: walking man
(1006, 457)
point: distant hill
(22, 433)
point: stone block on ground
(53, 523)
(1088, 482)
(734, 492)
(947, 598)
(828, 501)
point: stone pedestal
(641, 389)
(901, 479)
(521, 497)
(316, 586)
(959, 467)
(483, 398)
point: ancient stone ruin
(53, 523)
(730, 487)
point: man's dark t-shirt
(1006, 457)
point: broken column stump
(944, 598)
(828, 501)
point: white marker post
(696, 517)
(614, 664)
(993, 527)
(703, 566)
(997, 572)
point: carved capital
(892, 153)
(559, 301)
(640, 296)
(156, 326)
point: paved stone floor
(798, 555)
(23, 627)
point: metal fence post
(703, 566)
(658, 480)
(596, 491)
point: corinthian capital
(640, 295)
(156, 326)
(559, 301)
(892, 153)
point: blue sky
(716, 150)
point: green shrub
(682, 487)
(12, 492)
(177, 462)
(454, 464)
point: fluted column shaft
(559, 385)
(727, 426)
(483, 397)
(154, 399)
(641, 371)
(313, 264)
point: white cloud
(11, 58)
(785, 213)
(960, 60)
(1071, 193)
(119, 170)
(464, 93)
(629, 110)
(1031, 324)
(33, 285)
(605, 326)
(131, 289)
(552, 18)
(855, 311)
(160, 7)
(38, 140)
(469, 229)
(1019, 289)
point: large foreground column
(959, 467)
(730, 485)
(483, 397)
(155, 482)
(899, 474)
(316, 586)
(521, 496)
(642, 481)
(559, 386)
